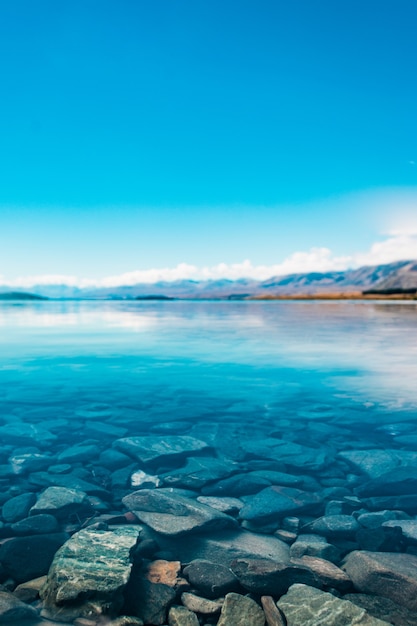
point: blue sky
(147, 134)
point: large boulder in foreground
(306, 606)
(388, 574)
(89, 573)
(174, 515)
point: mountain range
(397, 277)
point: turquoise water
(189, 360)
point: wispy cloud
(398, 245)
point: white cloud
(399, 245)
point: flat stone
(386, 574)
(89, 573)
(14, 610)
(25, 558)
(375, 463)
(29, 591)
(61, 502)
(314, 545)
(273, 615)
(384, 609)
(240, 610)
(79, 454)
(273, 503)
(327, 574)
(17, 508)
(230, 506)
(398, 481)
(334, 526)
(153, 450)
(406, 502)
(408, 528)
(170, 514)
(307, 606)
(23, 434)
(198, 472)
(201, 605)
(181, 616)
(238, 485)
(36, 525)
(265, 577)
(29, 462)
(211, 579)
(377, 518)
(69, 481)
(292, 454)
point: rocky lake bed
(191, 464)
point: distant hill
(398, 277)
(20, 295)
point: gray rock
(334, 526)
(181, 616)
(386, 574)
(384, 609)
(239, 610)
(265, 577)
(239, 485)
(198, 472)
(113, 459)
(307, 606)
(79, 454)
(314, 545)
(211, 579)
(29, 591)
(25, 558)
(69, 481)
(17, 508)
(377, 518)
(201, 605)
(374, 463)
(38, 524)
(408, 528)
(170, 514)
(292, 454)
(89, 573)
(29, 462)
(14, 610)
(398, 481)
(153, 450)
(61, 502)
(326, 574)
(395, 503)
(23, 434)
(230, 506)
(273, 503)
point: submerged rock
(211, 579)
(14, 610)
(152, 450)
(61, 502)
(89, 573)
(273, 503)
(239, 610)
(25, 558)
(171, 514)
(306, 606)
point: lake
(316, 392)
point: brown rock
(272, 612)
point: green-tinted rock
(89, 573)
(239, 610)
(180, 616)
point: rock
(25, 558)
(394, 503)
(18, 507)
(23, 434)
(29, 462)
(382, 539)
(164, 572)
(272, 613)
(211, 579)
(61, 502)
(79, 453)
(408, 528)
(294, 455)
(386, 574)
(314, 545)
(29, 591)
(154, 450)
(384, 609)
(124, 620)
(307, 606)
(89, 573)
(38, 524)
(376, 519)
(14, 610)
(334, 526)
(152, 589)
(327, 574)
(181, 616)
(69, 481)
(265, 577)
(239, 485)
(398, 481)
(230, 506)
(197, 472)
(225, 546)
(201, 605)
(239, 610)
(273, 503)
(112, 459)
(170, 514)
(375, 463)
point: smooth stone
(230, 506)
(273, 615)
(265, 577)
(60, 468)
(170, 428)
(113, 459)
(306, 606)
(276, 502)
(30, 462)
(238, 485)
(37, 524)
(408, 528)
(386, 574)
(406, 503)
(17, 508)
(376, 519)
(334, 526)
(14, 610)
(69, 481)
(398, 481)
(151, 450)
(240, 610)
(103, 430)
(61, 502)
(123, 620)
(376, 463)
(89, 573)
(201, 605)
(29, 591)
(327, 574)
(79, 454)
(21, 433)
(211, 579)
(225, 546)
(25, 558)
(292, 454)
(314, 545)
(181, 616)
(173, 515)
(198, 472)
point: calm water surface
(176, 360)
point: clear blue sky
(138, 134)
